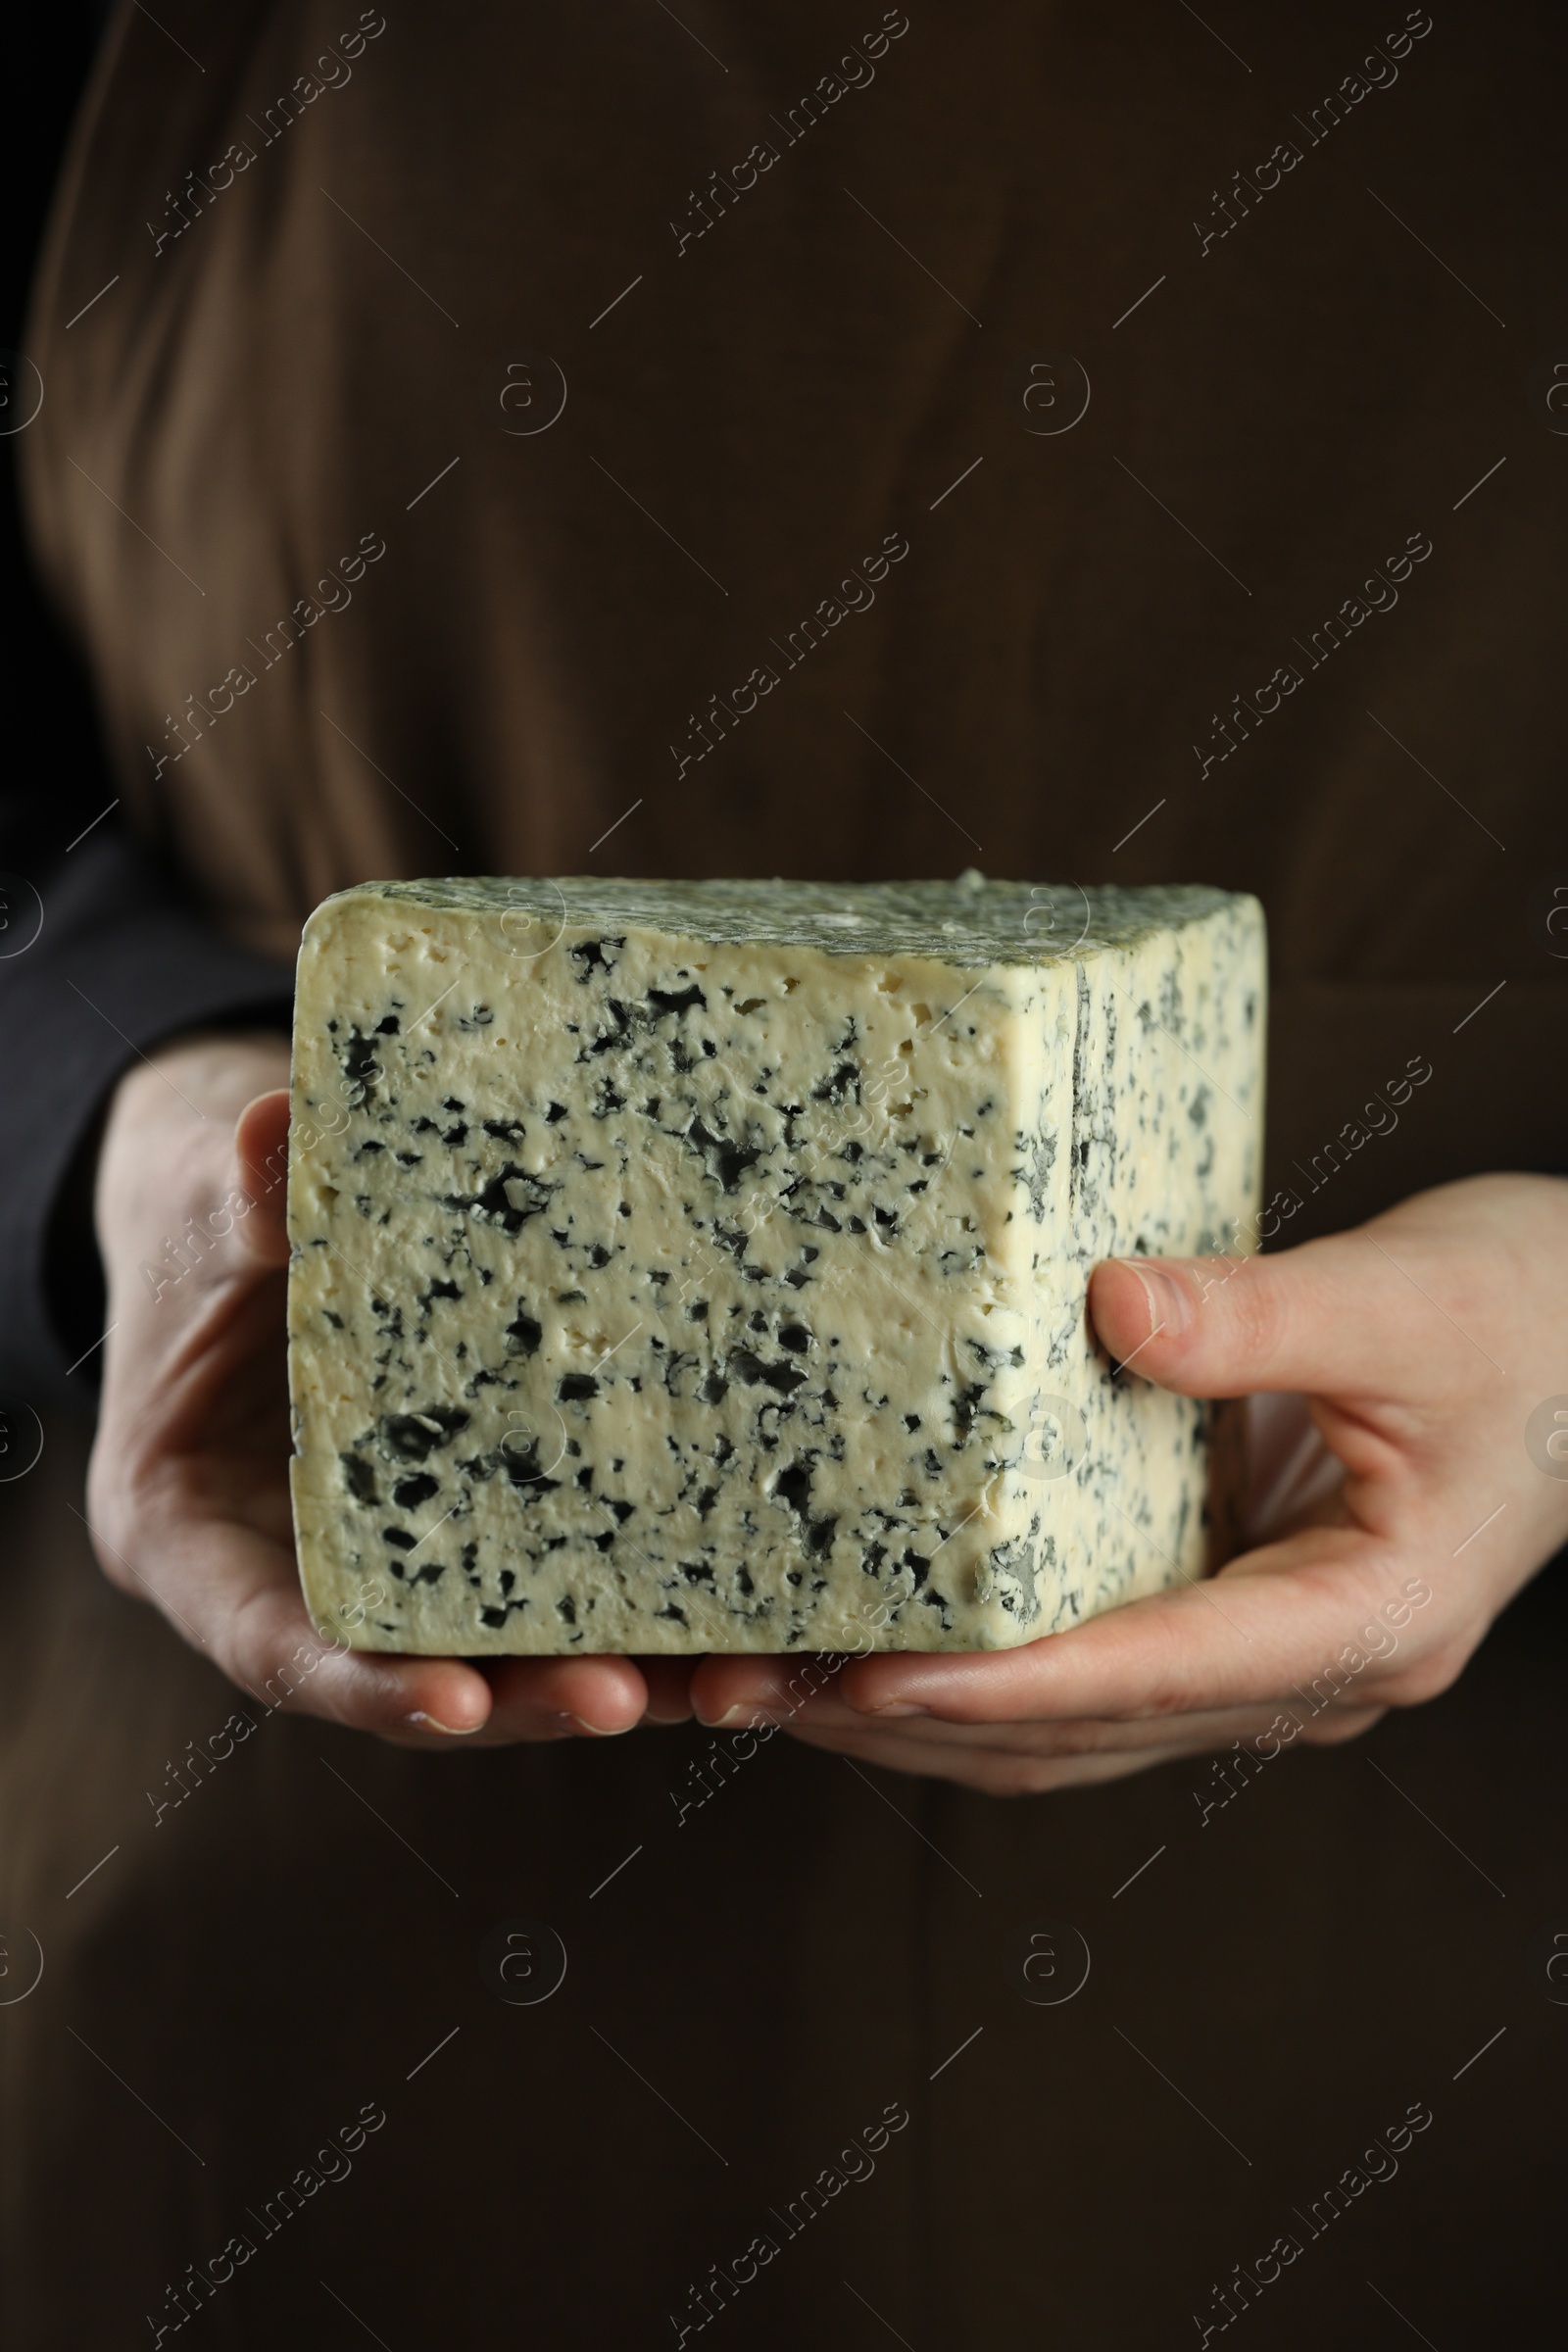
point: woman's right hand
(187, 1489)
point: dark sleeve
(101, 955)
(100, 960)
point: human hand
(1420, 1343)
(187, 1489)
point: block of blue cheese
(702, 1266)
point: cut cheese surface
(702, 1266)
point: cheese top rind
(967, 924)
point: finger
(260, 1146)
(828, 1720)
(1299, 1614)
(994, 1772)
(1332, 1317)
(534, 1699)
(669, 1682)
(442, 1702)
(728, 1693)
(1265, 1730)
(249, 1614)
(236, 1594)
(1026, 1771)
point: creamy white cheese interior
(699, 1266)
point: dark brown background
(811, 1946)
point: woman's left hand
(1420, 1344)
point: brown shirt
(486, 424)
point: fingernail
(895, 1707)
(1170, 1301)
(745, 1716)
(418, 1721)
(594, 1731)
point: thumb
(260, 1148)
(1309, 1319)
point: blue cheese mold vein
(699, 1266)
